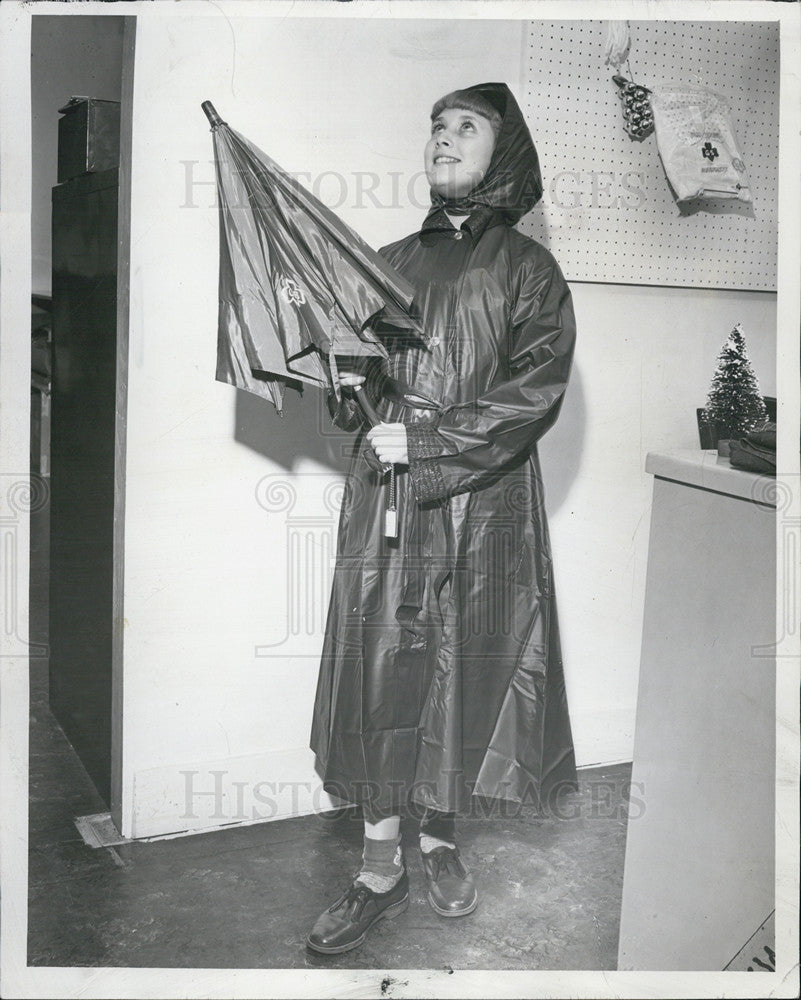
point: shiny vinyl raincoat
(441, 672)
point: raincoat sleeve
(468, 444)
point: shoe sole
(452, 913)
(389, 913)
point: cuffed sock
(429, 844)
(437, 829)
(382, 864)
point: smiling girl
(441, 681)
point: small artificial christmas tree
(734, 405)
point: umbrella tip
(211, 114)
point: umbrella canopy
(297, 286)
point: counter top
(710, 471)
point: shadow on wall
(306, 431)
(561, 448)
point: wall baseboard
(203, 796)
(236, 791)
(598, 765)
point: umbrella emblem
(291, 291)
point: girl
(441, 674)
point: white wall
(207, 577)
(210, 550)
(644, 360)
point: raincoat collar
(512, 185)
(481, 218)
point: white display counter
(699, 873)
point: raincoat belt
(399, 391)
(428, 529)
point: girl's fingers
(386, 443)
(391, 455)
(387, 433)
(389, 443)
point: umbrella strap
(408, 613)
(428, 555)
(335, 382)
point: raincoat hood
(512, 185)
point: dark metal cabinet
(84, 400)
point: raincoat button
(458, 235)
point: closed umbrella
(297, 287)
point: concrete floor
(550, 886)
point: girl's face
(459, 151)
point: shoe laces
(445, 857)
(356, 897)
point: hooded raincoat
(441, 672)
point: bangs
(466, 100)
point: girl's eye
(467, 125)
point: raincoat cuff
(427, 480)
(424, 447)
(423, 442)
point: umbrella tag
(391, 511)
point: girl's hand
(389, 443)
(348, 379)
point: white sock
(429, 844)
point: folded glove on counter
(756, 452)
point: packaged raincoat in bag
(696, 140)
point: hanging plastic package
(695, 136)
(618, 43)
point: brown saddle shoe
(344, 925)
(451, 890)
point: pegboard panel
(608, 213)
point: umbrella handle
(391, 509)
(367, 407)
